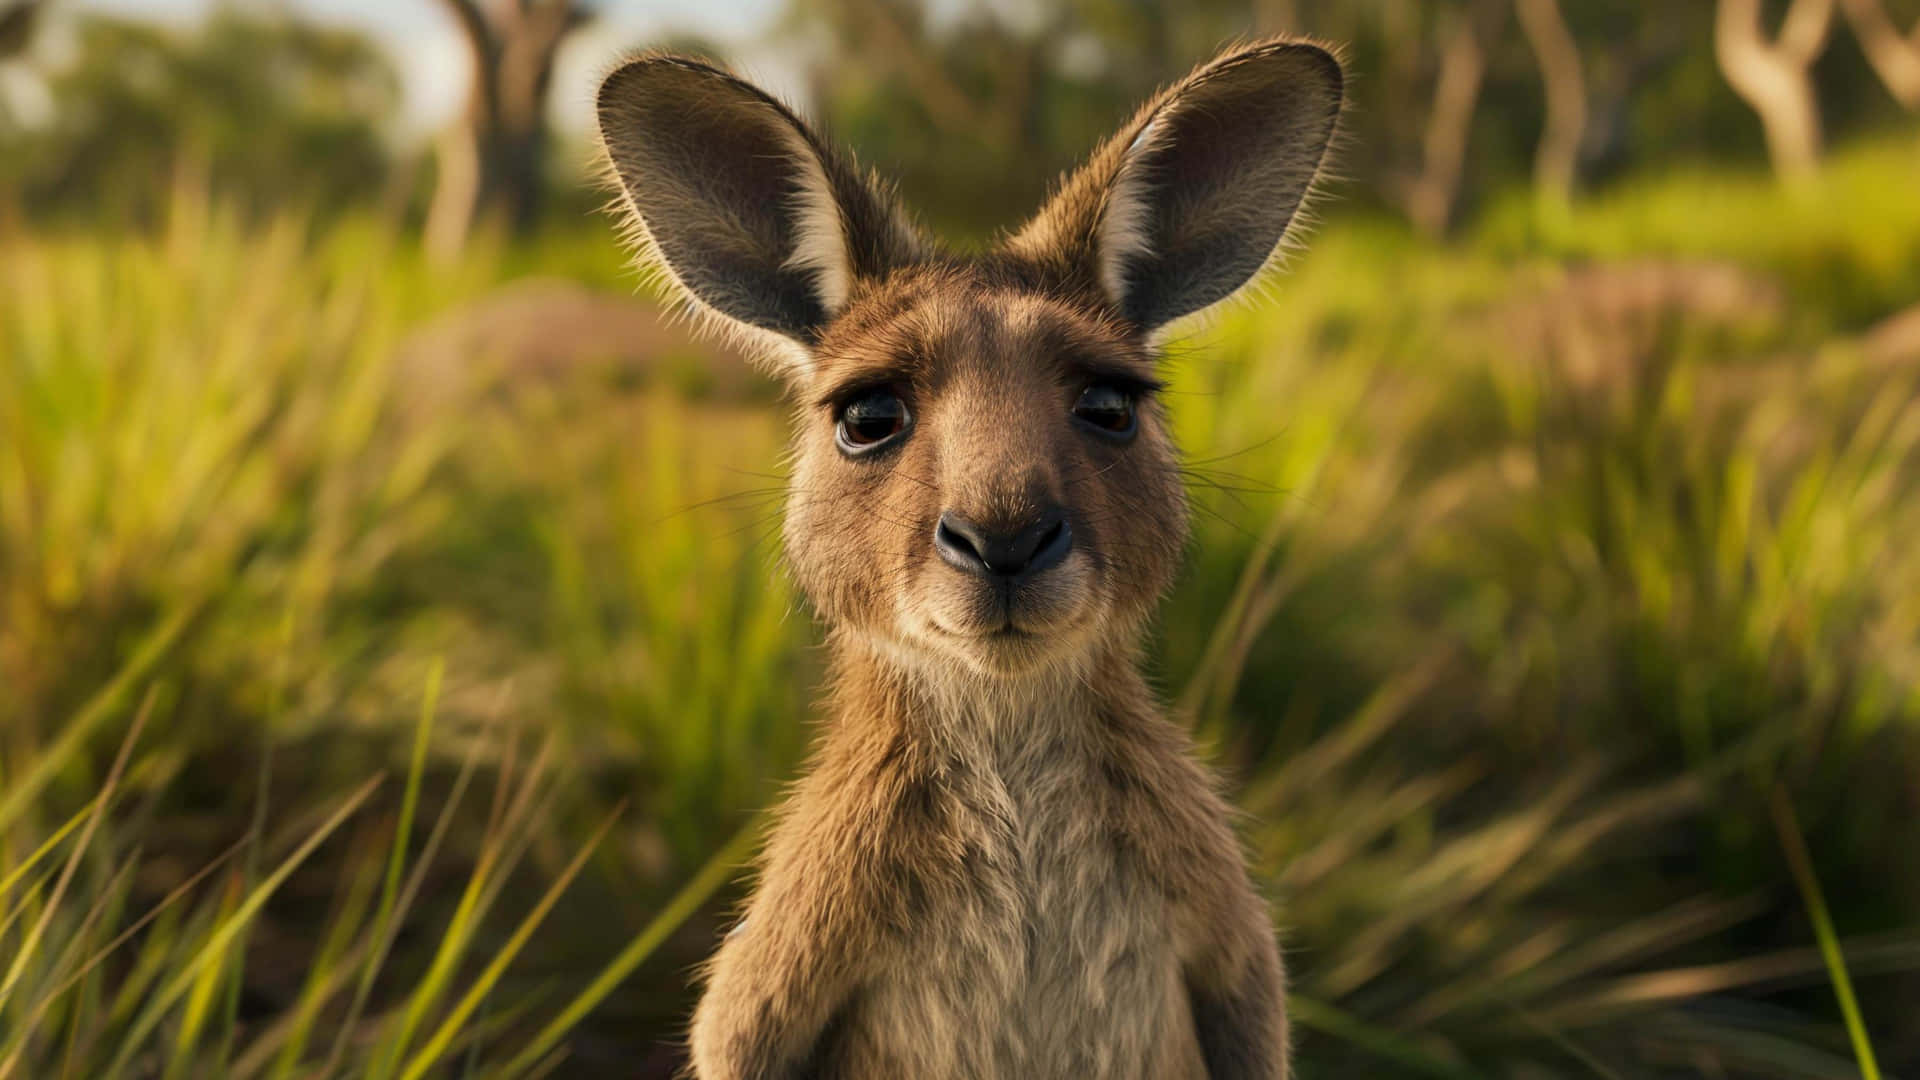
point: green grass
(1516, 592)
(1831, 953)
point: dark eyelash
(840, 397)
(1129, 383)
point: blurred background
(394, 658)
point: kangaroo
(1003, 862)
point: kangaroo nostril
(1022, 552)
(1054, 544)
(958, 542)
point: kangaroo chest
(1044, 949)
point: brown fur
(1003, 862)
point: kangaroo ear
(1190, 200)
(753, 220)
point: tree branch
(16, 26)
(1430, 195)
(472, 23)
(480, 45)
(1772, 76)
(1564, 79)
(948, 105)
(1894, 57)
(1804, 34)
(526, 57)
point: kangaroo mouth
(1012, 630)
(1008, 625)
(1007, 630)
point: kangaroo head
(981, 470)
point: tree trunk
(18, 21)
(1276, 16)
(456, 191)
(1557, 159)
(1774, 80)
(491, 161)
(1430, 196)
(526, 77)
(1894, 57)
(17, 25)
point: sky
(434, 66)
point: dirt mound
(1895, 338)
(543, 330)
(1601, 324)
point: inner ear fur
(753, 218)
(1192, 197)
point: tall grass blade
(13, 876)
(682, 907)
(450, 1027)
(1795, 845)
(222, 936)
(1328, 1020)
(386, 920)
(31, 943)
(166, 904)
(74, 735)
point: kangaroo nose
(1011, 556)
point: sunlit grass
(1795, 844)
(83, 995)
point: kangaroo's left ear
(1189, 200)
(756, 221)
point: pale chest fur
(1043, 947)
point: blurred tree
(1627, 55)
(491, 160)
(1431, 194)
(965, 100)
(946, 113)
(1564, 77)
(269, 109)
(1774, 78)
(971, 107)
(1276, 16)
(17, 23)
(1894, 56)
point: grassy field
(1554, 609)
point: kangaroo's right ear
(1193, 197)
(754, 221)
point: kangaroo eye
(872, 419)
(1107, 407)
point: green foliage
(110, 985)
(974, 107)
(266, 109)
